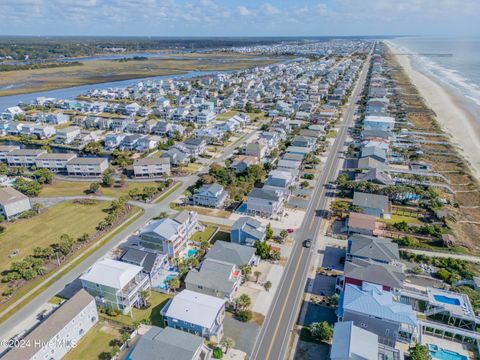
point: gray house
(196, 313)
(170, 344)
(265, 202)
(370, 247)
(373, 204)
(212, 195)
(247, 231)
(232, 253)
(215, 278)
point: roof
(376, 273)
(371, 200)
(374, 151)
(292, 156)
(141, 257)
(165, 228)
(111, 273)
(166, 344)
(213, 274)
(352, 342)
(27, 152)
(231, 253)
(8, 195)
(363, 221)
(213, 189)
(263, 194)
(151, 160)
(251, 226)
(374, 302)
(47, 330)
(375, 248)
(56, 156)
(376, 175)
(195, 308)
(87, 161)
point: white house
(87, 166)
(13, 202)
(151, 166)
(56, 162)
(67, 135)
(60, 332)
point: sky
(240, 17)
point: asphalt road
(10, 327)
(274, 337)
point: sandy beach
(451, 115)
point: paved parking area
(244, 334)
(318, 313)
(332, 258)
(323, 285)
(298, 203)
(310, 351)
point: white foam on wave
(450, 77)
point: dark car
(307, 244)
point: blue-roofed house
(378, 311)
(247, 231)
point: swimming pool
(242, 209)
(164, 285)
(447, 300)
(438, 353)
(191, 252)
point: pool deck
(457, 347)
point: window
(81, 332)
(387, 332)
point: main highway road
(273, 340)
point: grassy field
(47, 227)
(73, 188)
(96, 343)
(157, 301)
(200, 236)
(99, 71)
(399, 218)
(203, 210)
(40, 283)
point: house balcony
(129, 294)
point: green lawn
(75, 188)
(157, 301)
(96, 343)
(56, 300)
(47, 227)
(399, 218)
(200, 236)
(222, 236)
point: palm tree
(243, 302)
(126, 338)
(246, 271)
(173, 284)
(227, 343)
(257, 275)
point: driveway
(244, 334)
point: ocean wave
(451, 77)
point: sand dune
(451, 115)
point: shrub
(321, 330)
(244, 315)
(217, 353)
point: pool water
(438, 353)
(447, 300)
(167, 278)
(242, 209)
(191, 252)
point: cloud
(269, 9)
(244, 11)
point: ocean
(454, 62)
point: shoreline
(451, 112)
